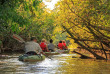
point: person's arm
(47, 48)
(40, 50)
(66, 47)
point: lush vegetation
(87, 23)
(26, 18)
(84, 22)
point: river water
(58, 64)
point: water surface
(58, 64)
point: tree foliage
(86, 21)
(26, 18)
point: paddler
(44, 46)
(32, 47)
(64, 45)
(60, 45)
(51, 46)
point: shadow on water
(59, 64)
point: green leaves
(26, 6)
(21, 16)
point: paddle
(18, 38)
(48, 57)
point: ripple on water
(59, 64)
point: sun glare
(50, 3)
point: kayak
(66, 51)
(58, 51)
(62, 51)
(51, 53)
(31, 58)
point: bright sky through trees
(50, 3)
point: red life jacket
(64, 44)
(43, 46)
(60, 46)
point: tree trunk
(95, 55)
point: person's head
(43, 40)
(60, 41)
(33, 39)
(51, 40)
(63, 41)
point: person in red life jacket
(64, 45)
(44, 46)
(60, 45)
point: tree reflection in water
(59, 64)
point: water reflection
(45, 66)
(59, 64)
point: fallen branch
(83, 56)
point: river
(58, 64)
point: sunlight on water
(44, 66)
(59, 64)
(48, 63)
